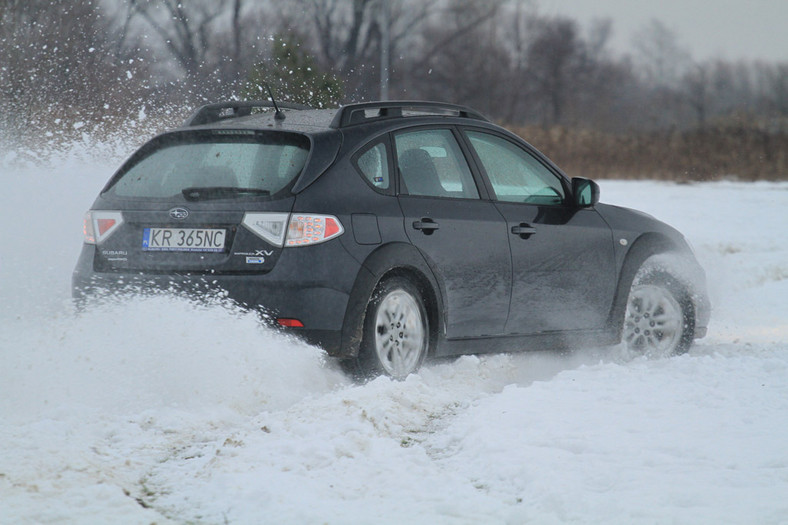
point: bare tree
(346, 34)
(185, 28)
(61, 83)
(696, 88)
(553, 56)
(462, 59)
(601, 90)
(775, 86)
(516, 39)
(214, 42)
(661, 58)
(78, 62)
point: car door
(462, 236)
(562, 254)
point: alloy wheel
(401, 337)
(654, 321)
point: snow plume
(158, 353)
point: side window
(515, 174)
(374, 166)
(431, 163)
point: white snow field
(160, 410)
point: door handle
(426, 225)
(524, 230)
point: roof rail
(353, 114)
(220, 110)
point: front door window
(515, 174)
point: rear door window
(432, 164)
(212, 166)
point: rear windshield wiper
(220, 192)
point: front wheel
(396, 330)
(659, 320)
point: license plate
(183, 239)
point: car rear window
(221, 164)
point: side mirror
(585, 192)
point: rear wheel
(659, 319)
(396, 330)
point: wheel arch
(400, 259)
(644, 247)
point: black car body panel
(564, 272)
(469, 255)
(492, 269)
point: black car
(387, 232)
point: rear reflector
(105, 225)
(290, 323)
(332, 227)
(98, 225)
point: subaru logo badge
(179, 213)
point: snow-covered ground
(158, 410)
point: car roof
(261, 115)
(305, 121)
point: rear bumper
(302, 286)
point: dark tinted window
(261, 163)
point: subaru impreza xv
(389, 232)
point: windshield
(215, 165)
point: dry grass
(701, 155)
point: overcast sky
(730, 29)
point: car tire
(396, 336)
(659, 320)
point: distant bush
(726, 152)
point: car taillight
(98, 225)
(289, 323)
(312, 229)
(298, 229)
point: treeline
(698, 154)
(86, 68)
